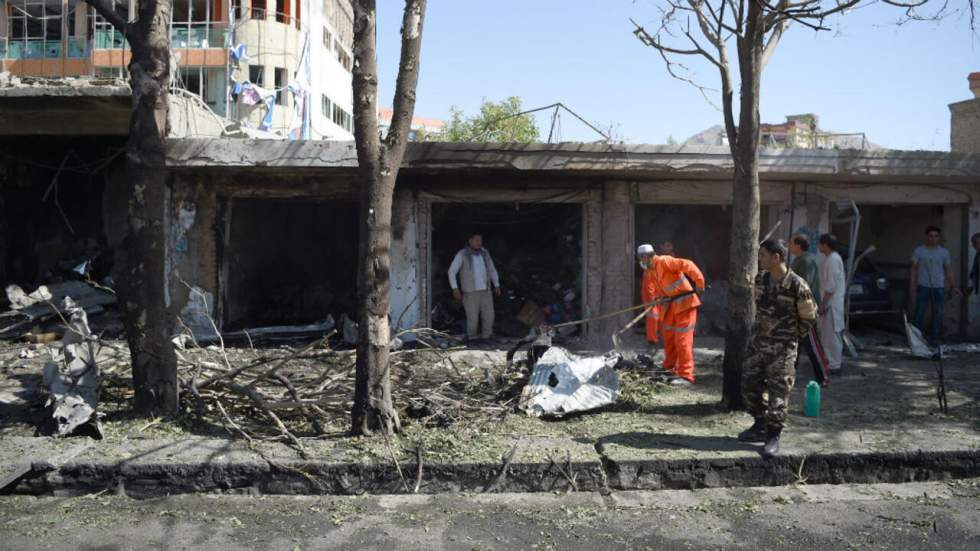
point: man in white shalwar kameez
(833, 286)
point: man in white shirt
(833, 286)
(932, 273)
(477, 275)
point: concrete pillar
(972, 300)
(81, 18)
(618, 257)
(405, 304)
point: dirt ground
(457, 405)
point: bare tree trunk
(378, 162)
(141, 273)
(743, 256)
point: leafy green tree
(497, 122)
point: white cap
(643, 249)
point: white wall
(328, 76)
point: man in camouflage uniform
(785, 311)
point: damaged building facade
(264, 232)
(267, 231)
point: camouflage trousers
(767, 380)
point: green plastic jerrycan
(811, 405)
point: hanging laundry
(238, 54)
(250, 96)
(270, 104)
(299, 128)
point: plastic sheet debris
(196, 315)
(917, 343)
(257, 334)
(349, 329)
(562, 383)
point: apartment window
(192, 79)
(326, 107)
(341, 19)
(281, 84)
(258, 9)
(343, 57)
(327, 39)
(256, 74)
(342, 118)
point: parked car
(869, 289)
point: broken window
(256, 74)
(289, 262)
(33, 29)
(537, 250)
(192, 25)
(192, 80)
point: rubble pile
(40, 316)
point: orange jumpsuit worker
(667, 276)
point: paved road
(942, 516)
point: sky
(866, 75)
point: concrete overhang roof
(65, 107)
(609, 161)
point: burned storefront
(288, 261)
(62, 217)
(537, 249)
(273, 240)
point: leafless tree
(379, 160)
(748, 32)
(141, 277)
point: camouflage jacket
(786, 310)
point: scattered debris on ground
(30, 314)
(562, 383)
(73, 383)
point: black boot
(755, 433)
(772, 443)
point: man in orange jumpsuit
(664, 277)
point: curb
(298, 477)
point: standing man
(932, 273)
(785, 311)
(833, 286)
(805, 266)
(664, 277)
(477, 275)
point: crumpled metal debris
(563, 383)
(73, 384)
